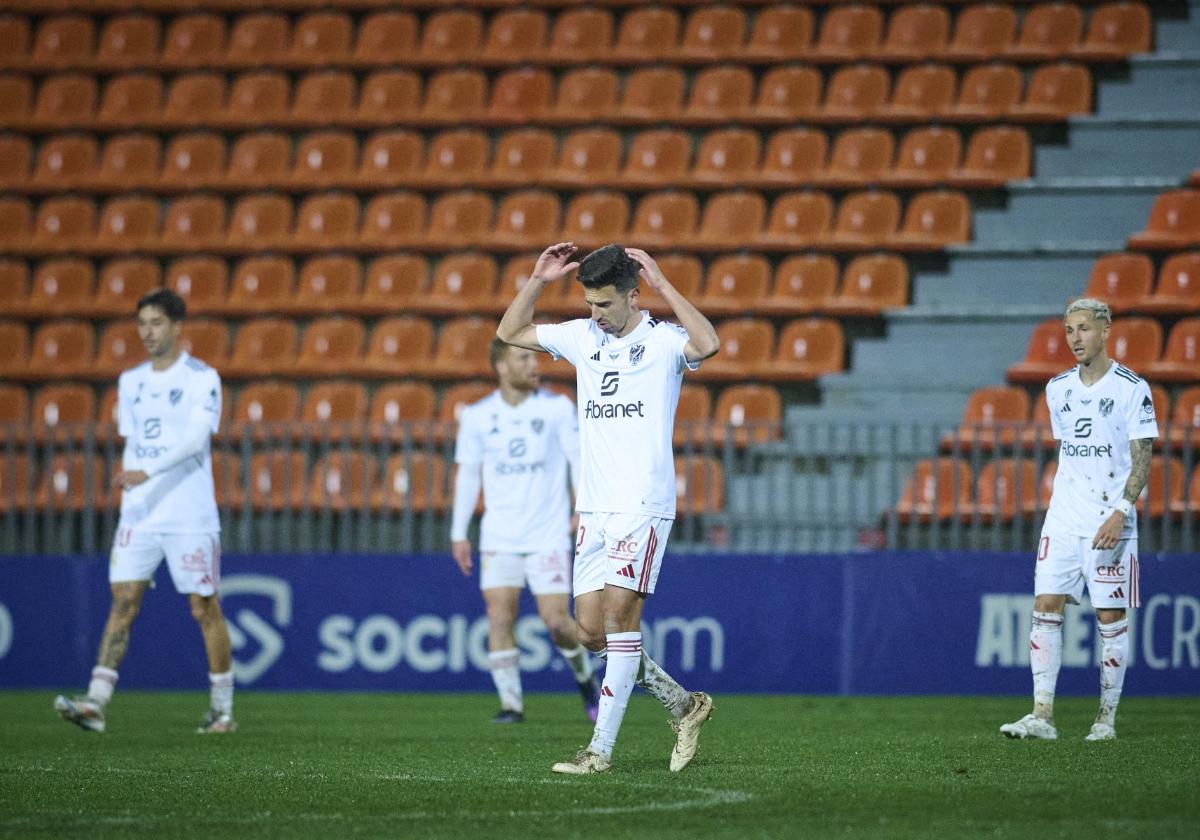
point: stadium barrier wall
(871, 623)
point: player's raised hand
(552, 264)
(461, 550)
(650, 272)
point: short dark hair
(497, 350)
(609, 266)
(170, 303)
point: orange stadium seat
(693, 416)
(585, 95)
(1174, 222)
(258, 39)
(1164, 487)
(458, 396)
(56, 406)
(797, 220)
(260, 222)
(647, 34)
(328, 284)
(343, 480)
(462, 283)
(982, 32)
(128, 223)
(64, 41)
(398, 404)
(64, 224)
(325, 158)
(200, 281)
(699, 485)
(194, 40)
(683, 270)
(393, 283)
(451, 36)
(712, 33)
(915, 33)
(730, 220)
(391, 158)
(278, 481)
(1056, 92)
(457, 158)
(320, 39)
(803, 284)
(653, 94)
(661, 219)
(389, 96)
(934, 220)
(62, 287)
(261, 285)
(735, 284)
(461, 350)
(1115, 31)
(938, 489)
(73, 482)
(16, 95)
(995, 156)
(1048, 31)
(993, 417)
(657, 158)
(329, 405)
(1181, 360)
(922, 92)
(780, 33)
(65, 100)
(1178, 289)
(720, 94)
(523, 156)
(871, 284)
(66, 162)
(848, 33)
(860, 156)
(393, 220)
(14, 284)
(122, 284)
(746, 348)
(331, 346)
(131, 99)
(194, 221)
(588, 156)
(753, 413)
(927, 156)
(787, 93)
(259, 159)
(808, 348)
(62, 348)
(596, 218)
(14, 411)
(262, 347)
(728, 156)
(401, 346)
(1185, 421)
(856, 92)
(987, 92)
(191, 161)
(580, 35)
(326, 220)
(514, 36)
(455, 96)
(129, 41)
(16, 482)
(207, 340)
(15, 40)
(130, 161)
(387, 37)
(324, 96)
(16, 158)
(793, 156)
(258, 99)
(119, 348)
(1121, 280)
(460, 219)
(14, 348)
(416, 481)
(1005, 489)
(16, 222)
(520, 96)
(865, 220)
(1047, 355)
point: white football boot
(1102, 732)
(84, 712)
(687, 730)
(1031, 727)
(584, 763)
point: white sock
(662, 685)
(221, 692)
(1114, 653)
(1045, 658)
(624, 657)
(506, 674)
(577, 658)
(104, 681)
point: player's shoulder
(1126, 377)
(133, 374)
(1061, 380)
(472, 409)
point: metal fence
(807, 488)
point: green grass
(408, 765)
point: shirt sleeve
(1055, 419)
(467, 483)
(560, 340)
(206, 401)
(1139, 416)
(125, 422)
(468, 448)
(676, 339)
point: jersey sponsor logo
(1106, 406)
(149, 451)
(516, 448)
(636, 352)
(507, 468)
(607, 411)
(1084, 450)
(609, 383)
(1083, 427)
(152, 428)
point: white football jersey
(154, 409)
(523, 450)
(628, 390)
(1094, 426)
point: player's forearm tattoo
(112, 648)
(1139, 452)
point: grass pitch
(411, 765)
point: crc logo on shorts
(1083, 427)
(1117, 571)
(196, 561)
(609, 383)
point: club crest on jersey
(537, 424)
(636, 352)
(175, 396)
(1106, 407)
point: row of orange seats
(804, 349)
(1135, 342)
(458, 284)
(1125, 281)
(587, 158)
(916, 32)
(1000, 417)
(521, 220)
(283, 480)
(1174, 222)
(719, 94)
(337, 409)
(945, 489)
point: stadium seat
(73, 482)
(1185, 421)
(61, 348)
(331, 346)
(557, 298)
(588, 156)
(792, 156)
(1178, 289)
(859, 157)
(207, 340)
(325, 158)
(67, 99)
(856, 92)
(1174, 222)
(1135, 342)
(16, 96)
(393, 220)
(1048, 31)
(938, 489)
(684, 271)
(327, 284)
(1181, 360)
(1047, 355)
(520, 96)
(191, 161)
(934, 220)
(915, 33)
(343, 480)
(663, 219)
(780, 32)
(15, 40)
(458, 396)
(1005, 489)
(927, 156)
(693, 416)
(750, 413)
(397, 406)
(746, 349)
(129, 41)
(596, 218)
(258, 99)
(1164, 487)
(699, 485)
(334, 410)
(119, 348)
(1056, 92)
(128, 224)
(514, 36)
(401, 346)
(262, 347)
(320, 39)
(659, 157)
(122, 284)
(871, 285)
(735, 284)
(730, 220)
(454, 97)
(260, 222)
(194, 40)
(786, 94)
(581, 35)
(393, 284)
(457, 158)
(585, 95)
(993, 417)
(63, 41)
(459, 220)
(64, 224)
(413, 481)
(323, 97)
(712, 33)
(797, 220)
(461, 350)
(66, 162)
(264, 408)
(258, 40)
(128, 162)
(1115, 31)
(388, 97)
(522, 157)
(727, 157)
(922, 93)
(390, 158)
(259, 159)
(451, 37)
(652, 94)
(647, 34)
(200, 281)
(987, 92)
(327, 220)
(61, 287)
(848, 33)
(131, 99)
(14, 285)
(106, 415)
(261, 286)
(16, 159)
(1190, 504)
(194, 221)
(864, 220)
(995, 156)
(61, 411)
(808, 348)
(16, 223)
(803, 284)
(1121, 280)
(14, 348)
(14, 416)
(981, 32)
(278, 481)
(462, 283)
(386, 37)
(16, 482)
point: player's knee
(499, 616)
(1049, 603)
(592, 638)
(204, 610)
(559, 626)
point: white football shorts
(194, 560)
(1066, 563)
(547, 572)
(622, 549)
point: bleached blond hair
(1098, 309)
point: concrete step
(976, 276)
(1176, 27)
(1104, 211)
(1162, 84)
(1104, 146)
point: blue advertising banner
(878, 623)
